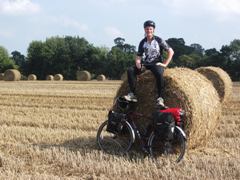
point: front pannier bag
(164, 124)
(114, 121)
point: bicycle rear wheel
(174, 149)
(115, 143)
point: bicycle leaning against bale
(164, 134)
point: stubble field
(48, 131)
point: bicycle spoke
(174, 150)
(114, 143)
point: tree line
(66, 55)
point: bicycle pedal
(145, 149)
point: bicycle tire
(115, 143)
(178, 145)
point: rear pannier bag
(114, 121)
(164, 124)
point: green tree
(126, 48)
(231, 54)
(119, 42)
(179, 47)
(5, 61)
(120, 57)
(211, 52)
(235, 50)
(59, 55)
(36, 61)
(20, 60)
(118, 62)
(197, 48)
(212, 57)
(191, 61)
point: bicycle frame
(130, 118)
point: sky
(210, 23)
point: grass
(48, 131)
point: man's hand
(168, 60)
(138, 63)
(161, 64)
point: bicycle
(119, 132)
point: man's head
(149, 23)
(149, 27)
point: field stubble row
(48, 131)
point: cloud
(110, 1)
(113, 32)
(69, 23)
(225, 6)
(115, 1)
(221, 9)
(18, 7)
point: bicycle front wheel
(115, 143)
(174, 149)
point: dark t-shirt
(152, 52)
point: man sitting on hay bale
(149, 56)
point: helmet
(149, 23)
(122, 103)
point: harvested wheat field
(48, 131)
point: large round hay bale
(83, 76)
(58, 77)
(1, 76)
(101, 77)
(49, 77)
(12, 75)
(32, 77)
(220, 80)
(184, 88)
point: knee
(159, 72)
(159, 76)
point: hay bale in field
(32, 77)
(220, 80)
(58, 77)
(184, 88)
(50, 78)
(83, 76)
(12, 75)
(124, 76)
(101, 77)
(1, 76)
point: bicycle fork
(143, 143)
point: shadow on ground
(87, 145)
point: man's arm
(139, 55)
(170, 54)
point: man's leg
(132, 79)
(158, 73)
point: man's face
(149, 30)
